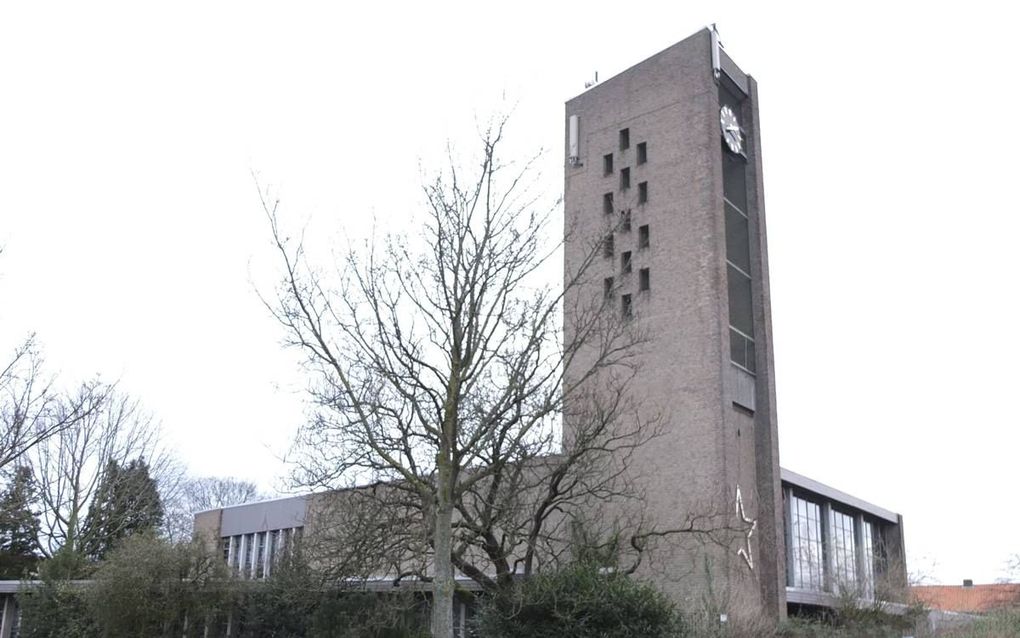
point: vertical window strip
(806, 550)
(868, 560)
(844, 552)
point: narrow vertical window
(607, 288)
(643, 236)
(249, 555)
(642, 192)
(804, 555)
(867, 551)
(607, 203)
(626, 307)
(260, 554)
(645, 279)
(844, 551)
(272, 549)
(237, 542)
(625, 221)
(624, 179)
(624, 139)
(607, 164)
(642, 152)
(625, 262)
(607, 246)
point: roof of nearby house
(968, 599)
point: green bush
(578, 601)
(296, 602)
(57, 607)
(1001, 624)
(353, 614)
(151, 587)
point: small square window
(626, 263)
(642, 193)
(607, 287)
(607, 246)
(626, 307)
(624, 179)
(607, 164)
(607, 203)
(643, 236)
(624, 139)
(644, 279)
(642, 152)
(625, 221)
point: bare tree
(200, 494)
(29, 410)
(1012, 569)
(69, 465)
(438, 372)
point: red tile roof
(975, 599)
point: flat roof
(275, 499)
(832, 494)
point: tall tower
(664, 166)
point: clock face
(730, 129)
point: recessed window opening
(642, 192)
(624, 179)
(607, 203)
(607, 164)
(626, 307)
(626, 264)
(607, 288)
(624, 139)
(625, 221)
(643, 236)
(607, 246)
(644, 279)
(642, 152)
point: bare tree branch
(438, 372)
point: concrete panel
(742, 388)
(733, 72)
(261, 517)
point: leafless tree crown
(438, 370)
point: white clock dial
(730, 129)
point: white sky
(133, 237)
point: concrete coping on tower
(810, 485)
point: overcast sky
(133, 238)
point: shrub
(56, 607)
(579, 601)
(151, 587)
(1000, 624)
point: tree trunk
(443, 584)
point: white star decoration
(745, 551)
